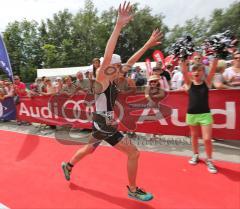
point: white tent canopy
(55, 72)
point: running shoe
(194, 160)
(66, 171)
(211, 167)
(139, 194)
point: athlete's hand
(155, 39)
(124, 14)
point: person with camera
(164, 77)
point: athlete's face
(117, 66)
(112, 71)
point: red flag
(148, 67)
(158, 56)
(172, 60)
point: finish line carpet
(31, 177)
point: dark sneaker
(139, 194)
(66, 170)
(194, 160)
(211, 167)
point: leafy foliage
(68, 40)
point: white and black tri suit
(104, 126)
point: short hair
(156, 68)
(67, 77)
(79, 72)
(221, 65)
(197, 66)
(16, 77)
(96, 59)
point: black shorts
(101, 130)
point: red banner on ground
(133, 113)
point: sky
(175, 11)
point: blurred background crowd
(227, 76)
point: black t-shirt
(166, 74)
(198, 99)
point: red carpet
(31, 177)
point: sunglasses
(153, 81)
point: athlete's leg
(85, 150)
(81, 153)
(132, 152)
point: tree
(85, 34)
(50, 56)
(21, 40)
(228, 19)
(137, 32)
(197, 28)
(67, 40)
(57, 40)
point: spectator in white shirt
(177, 79)
(232, 74)
(218, 80)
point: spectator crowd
(169, 78)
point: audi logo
(78, 108)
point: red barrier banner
(134, 114)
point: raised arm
(184, 69)
(124, 16)
(155, 39)
(212, 72)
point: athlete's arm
(155, 39)
(124, 16)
